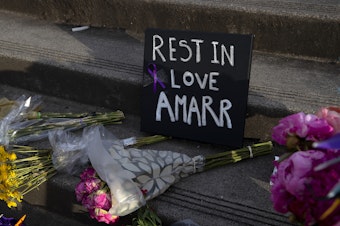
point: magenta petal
(331, 143)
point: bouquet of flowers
(22, 169)
(305, 182)
(21, 121)
(132, 176)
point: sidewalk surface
(101, 70)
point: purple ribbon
(152, 69)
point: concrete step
(308, 28)
(48, 58)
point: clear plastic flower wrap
(68, 155)
(11, 122)
(23, 123)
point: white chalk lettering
(225, 105)
(185, 56)
(224, 53)
(163, 102)
(191, 108)
(215, 60)
(213, 81)
(172, 78)
(157, 48)
(171, 49)
(181, 101)
(187, 75)
(206, 102)
(198, 49)
(229, 56)
(207, 81)
(202, 82)
(183, 43)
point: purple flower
(308, 127)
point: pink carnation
(309, 127)
(332, 116)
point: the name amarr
(189, 108)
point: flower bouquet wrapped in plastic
(305, 182)
(132, 175)
(22, 122)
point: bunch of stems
(233, 156)
(141, 141)
(68, 121)
(46, 115)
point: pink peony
(299, 189)
(332, 116)
(308, 127)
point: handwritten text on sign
(199, 81)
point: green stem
(224, 158)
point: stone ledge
(308, 29)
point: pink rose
(332, 116)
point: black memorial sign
(195, 85)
